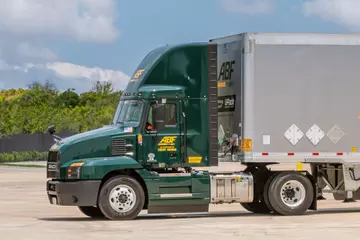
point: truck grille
(118, 147)
(52, 168)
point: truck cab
(165, 124)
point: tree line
(40, 105)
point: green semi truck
(257, 99)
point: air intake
(118, 147)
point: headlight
(74, 170)
(129, 150)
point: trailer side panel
(303, 85)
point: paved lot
(26, 214)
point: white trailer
(292, 98)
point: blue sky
(76, 42)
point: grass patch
(21, 165)
(23, 156)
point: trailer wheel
(256, 207)
(121, 198)
(290, 193)
(93, 212)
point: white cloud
(343, 12)
(27, 51)
(82, 20)
(25, 24)
(15, 52)
(248, 6)
(4, 66)
(64, 75)
(69, 70)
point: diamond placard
(315, 134)
(335, 134)
(293, 134)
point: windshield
(129, 112)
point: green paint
(198, 184)
(97, 168)
(175, 75)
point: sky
(74, 43)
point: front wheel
(290, 193)
(121, 198)
(92, 212)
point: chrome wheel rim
(122, 198)
(292, 193)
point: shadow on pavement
(208, 215)
(168, 216)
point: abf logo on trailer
(226, 70)
(225, 74)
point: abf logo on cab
(168, 140)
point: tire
(256, 207)
(92, 212)
(266, 192)
(121, 198)
(290, 183)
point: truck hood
(100, 133)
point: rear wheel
(121, 198)
(266, 192)
(92, 212)
(290, 193)
(256, 207)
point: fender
(97, 168)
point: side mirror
(51, 130)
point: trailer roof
(298, 38)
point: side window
(170, 115)
(162, 116)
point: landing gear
(121, 198)
(349, 197)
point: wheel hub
(122, 198)
(289, 193)
(292, 193)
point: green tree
(40, 105)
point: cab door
(161, 139)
